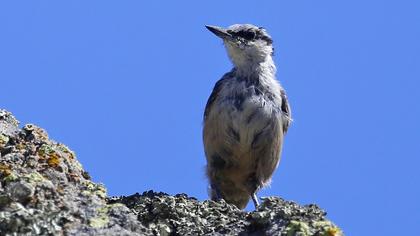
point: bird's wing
(285, 108)
(266, 151)
(215, 93)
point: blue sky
(124, 85)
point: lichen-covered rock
(45, 191)
(183, 215)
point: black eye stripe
(248, 35)
(251, 34)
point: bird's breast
(241, 111)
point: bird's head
(246, 44)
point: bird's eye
(248, 35)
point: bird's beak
(219, 32)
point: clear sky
(124, 85)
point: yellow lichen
(10, 178)
(20, 146)
(334, 231)
(327, 228)
(297, 227)
(97, 189)
(114, 205)
(66, 150)
(101, 220)
(3, 140)
(44, 151)
(34, 177)
(89, 185)
(85, 193)
(101, 192)
(5, 170)
(53, 160)
(48, 152)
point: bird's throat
(256, 69)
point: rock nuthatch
(245, 118)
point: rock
(45, 191)
(20, 191)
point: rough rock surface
(45, 191)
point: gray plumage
(245, 118)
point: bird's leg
(216, 195)
(255, 200)
(253, 188)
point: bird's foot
(255, 200)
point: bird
(245, 118)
